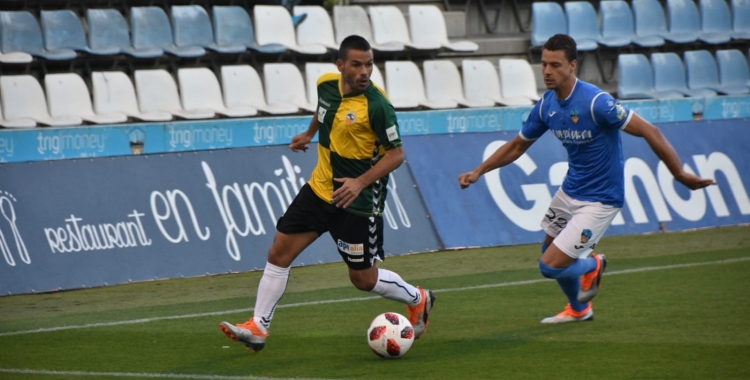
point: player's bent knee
(548, 271)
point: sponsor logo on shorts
(586, 236)
(359, 260)
(351, 249)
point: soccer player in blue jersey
(588, 122)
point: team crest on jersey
(621, 113)
(586, 236)
(351, 117)
(574, 115)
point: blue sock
(569, 278)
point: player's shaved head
(352, 42)
(565, 43)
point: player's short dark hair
(353, 42)
(565, 43)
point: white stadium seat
(442, 82)
(377, 78)
(23, 98)
(273, 25)
(481, 83)
(353, 19)
(243, 88)
(313, 71)
(157, 91)
(427, 27)
(68, 95)
(284, 85)
(18, 123)
(407, 88)
(389, 26)
(200, 90)
(114, 93)
(316, 28)
(517, 82)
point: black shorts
(359, 238)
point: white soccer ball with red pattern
(390, 335)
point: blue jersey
(588, 124)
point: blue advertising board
(506, 206)
(70, 224)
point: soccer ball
(390, 335)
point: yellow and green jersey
(354, 131)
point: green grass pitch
(672, 306)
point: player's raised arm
(640, 127)
(502, 156)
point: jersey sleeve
(534, 127)
(384, 123)
(610, 113)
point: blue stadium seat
(733, 70)
(650, 21)
(741, 19)
(192, 27)
(232, 25)
(63, 30)
(716, 27)
(637, 79)
(107, 28)
(20, 33)
(583, 25)
(703, 73)
(547, 19)
(617, 25)
(669, 75)
(683, 20)
(151, 29)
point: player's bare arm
(640, 127)
(503, 156)
(351, 187)
(300, 141)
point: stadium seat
(114, 93)
(427, 27)
(670, 76)
(192, 27)
(17, 123)
(353, 19)
(157, 92)
(547, 19)
(683, 20)
(703, 73)
(517, 82)
(377, 78)
(583, 26)
(316, 28)
(649, 19)
(481, 82)
(617, 24)
(199, 90)
(389, 26)
(63, 30)
(733, 70)
(716, 22)
(108, 28)
(151, 29)
(313, 71)
(243, 88)
(407, 87)
(67, 95)
(20, 32)
(637, 79)
(273, 25)
(741, 19)
(23, 98)
(232, 26)
(17, 57)
(442, 83)
(284, 85)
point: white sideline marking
(139, 375)
(313, 303)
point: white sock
(270, 289)
(391, 286)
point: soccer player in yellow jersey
(359, 145)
